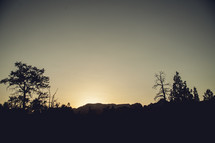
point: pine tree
(180, 92)
(196, 95)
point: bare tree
(161, 82)
(52, 99)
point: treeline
(179, 91)
(28, 80)
(178, 115)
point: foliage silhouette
(27, 80)
(180, 92)
(195, 94)
(208, 95)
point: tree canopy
(208, 95)
(180, 92)
(25, 81)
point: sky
(108, 51)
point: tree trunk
(24, 98)
(164, 94)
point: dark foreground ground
(193, 122)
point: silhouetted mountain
(98, 108)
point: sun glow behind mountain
(90, 96)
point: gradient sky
(109, 50)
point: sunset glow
(109, 50)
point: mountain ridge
(99, 108)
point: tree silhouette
(36, 105)
(186, 93)
(15, 101)
(208, 95)
(180, 92)
(52, 100)
(161, 82)
(27, 80)
(196, 95)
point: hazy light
(109, 50)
